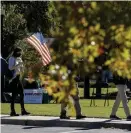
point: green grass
(54, 109)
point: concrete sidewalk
(56, 122)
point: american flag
(38, 42)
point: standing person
(106, 75)
(77, 108)
(75, 100)
(15, 64)
(121, 96)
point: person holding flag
(16, 66)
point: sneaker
(25, 113)
(13, 114)
(64, 117)
(129, 118)
(80, 117)
(114, 117)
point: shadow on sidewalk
(85, 124)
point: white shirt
(15, 61)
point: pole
(86, 87)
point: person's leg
(77, 106)
(13, 113)
(116, 104)
(20, 88)
(14, 94)
(21, 98)
(63, 108)
(124, 99)
(63, 111)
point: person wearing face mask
(121, 85)
(16, 66)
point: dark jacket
(119, 80)
(4, 68)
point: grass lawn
(54, 109)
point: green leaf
(93, 5)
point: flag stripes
(37, 41)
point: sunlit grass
(54, 109)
